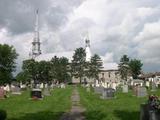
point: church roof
(49, 56)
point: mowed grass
(20, 107)
(124, 107)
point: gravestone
(153, 86)
(16, 90)
(36, 94)
(98, 90)
(88, 89)
(2, 93)
(147, 114)
(46, 92)
(125, 89)
(141, 91)
(62, 85)
(108, 93)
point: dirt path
(76, 112)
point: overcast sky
(115, 27)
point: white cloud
(115, 27)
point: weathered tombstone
(46, 92)
(2, 93)
(36, 94)
(88, 89)
(147, 114)
(108, 93)
(16, 90)
(141, 91)
(153, 86)
(125, 89)
(98, 90)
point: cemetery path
(76, 112)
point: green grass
(50, 108)
(123, 107)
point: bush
(3, 114)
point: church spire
(87, 49)
(36, 42)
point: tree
(78, 65)
(23, 77)
(44, 68)
(124, 67)
(94, 67)
(8, 56)
(135, 67)
(60, 69)
(31, 67)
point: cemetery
(79, 60)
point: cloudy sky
(115, 27)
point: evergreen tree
(78, 63)
(94, 67)
(135, 67)
(124, 67)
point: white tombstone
(41, 86)
(147, 84)
(62, 85)
(7, 88)
(114, 86)
(97, 84)
(125, 89)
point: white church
(108, 75)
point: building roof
(49, 56)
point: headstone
(88, 89)
(98, 90)
(125, 89)
(62, 85)
(46, 92)
(97, 83)
(108, 93)
(16, 90)
(147, 114)
(141, 91)
(7, 88)
(2, 93)
(153, 86)
(147, 84)
(36, 94)
(41, 86)
(114, 86)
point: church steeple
(87, 49)
(36, 51)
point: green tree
(31, 67)
(8, 56)
(23, 77)
(135, 67)
(124, 67)
(43, 71)
(60, 69)
(94, 67)
(78, 63)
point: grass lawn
(50, 108)
(123, 107)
